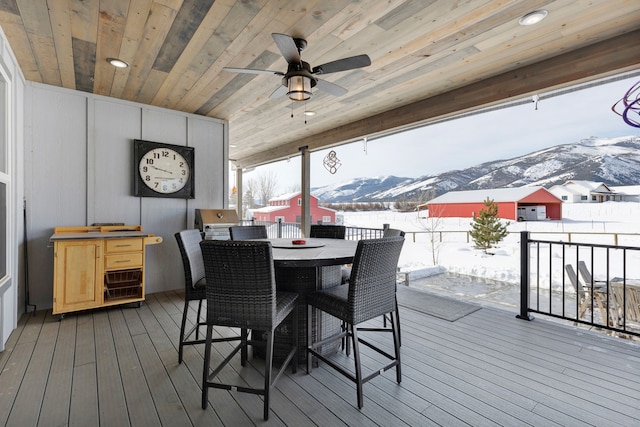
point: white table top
(316, 253)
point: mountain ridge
(614, 161)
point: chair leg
(205, 368)
(358, 367)
(295, 339)
(267, 372)
(183, 325)
(244, 336)
(398, 323)
(198, 320)
(395, 326)
(309, 338)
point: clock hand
(163, 170)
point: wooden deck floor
(119, 367)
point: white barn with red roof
(466, 204)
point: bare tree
(249, 197)
(432, 224)
(267, 183)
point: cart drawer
(123, 245)
(123, 260)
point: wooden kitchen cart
(98, 266)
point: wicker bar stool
(393, 232)
(241, 293)
(370, 293)
(248, 232)
(328, 231)
(194, 285)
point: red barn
(287, 208)
(466, 204)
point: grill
(215, 223)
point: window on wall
(3, 125)
(4, 177)
(3, 230)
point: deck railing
(591, 284)
(291, 230)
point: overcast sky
(469, 141)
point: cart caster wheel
(60, 317)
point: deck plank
(119, 366)
(57, 395)
(110, 391)
(140, 405)
(83, 409)
(29, 396)
(17, 365)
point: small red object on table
(298, 242)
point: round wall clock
(163, 170)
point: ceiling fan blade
(251, 71)
(281, 91)
(287, 47)
(331, 88)
(343, 64)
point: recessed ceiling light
(533, 17)
(119, 63)
(309, 113)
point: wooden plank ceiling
(429, 58)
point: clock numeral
(145, 169)
(184, 172)
(150, 161)
(147, 178)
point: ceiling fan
(300, 77)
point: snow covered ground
(455, 255)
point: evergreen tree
(487, 229)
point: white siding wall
(79, 171)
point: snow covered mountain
(614, 161)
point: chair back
(584, 272)
(241, 286)
(328, 231)
(372, 285)
(189, 245)
(392, 232)
(248, 232)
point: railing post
(524, 276)
(279, 228)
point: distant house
(288, 208)
(467, 204)
(627, 193)
(585, 192)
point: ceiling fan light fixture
(532, 18)
(118, 63)
(299, 88)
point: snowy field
(588, 223)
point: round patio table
(306, 268)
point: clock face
(164, 170)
